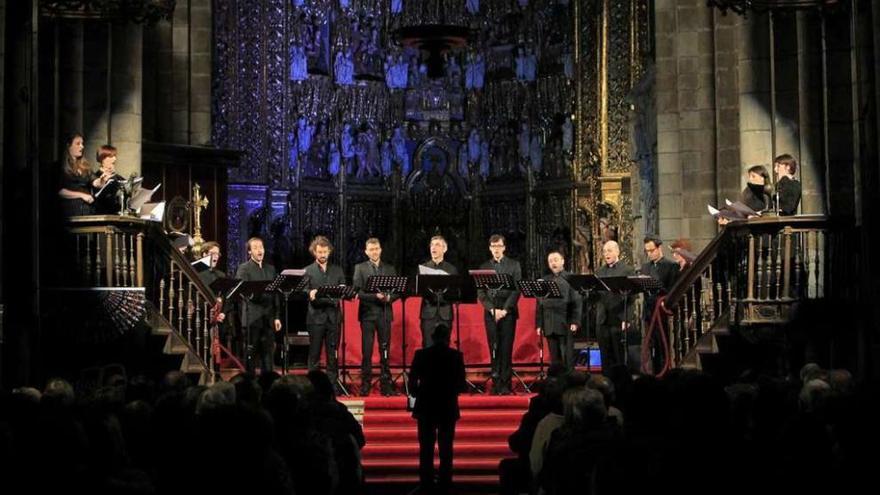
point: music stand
(626, 286)
(337, 293)
(392, 285)
(246, 291)
(451, 289)
(492, 282)
(287, 283)
(541, 290)
(585, 285)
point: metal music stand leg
(403, 373)
(340, 368)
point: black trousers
(327, 334)
(382, 328)
(562, 349)
(612, 349)
(443, 433)
(428, 326)
(500, 336)
(261, 344)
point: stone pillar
(126, 83)
(180, 75)
(685, 119)
(200, 71)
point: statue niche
(438, 200)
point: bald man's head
(611, 252)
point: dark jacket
(609, 311)
(556, 315)
(436, 378)
(504, 299)
(429, 309)
(788, 192)
(263, 305)
(666, 271)
(322, 309)
(370, 308)
(756, 197)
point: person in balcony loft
(107, 202)
(758, 192)
(262, 311)
(76, 180)
(682, 254)
(788, 189)
(209, 276)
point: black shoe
(388, 390)
(365, 390)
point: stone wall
(734, 91)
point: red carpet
(392, 451)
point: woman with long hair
(76, 179)
(759, 191)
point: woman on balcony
(106, 199)
(76, 180)
(788, 189)
(758, 189)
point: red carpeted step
(464, 402)
(391, 453)
(461, 449)
(389, 464)
(468, 418)
(462, 434)
(459, 479)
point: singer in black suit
(500, 315)
(432, 314)
(323, 315)
(262, 311)
(436, 378)
(666, 272)
(559, 318)
(375, 314)
(610, 317)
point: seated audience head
(59, 392)
(583, 407)
(322, 387)
(441, 335)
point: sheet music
(293, 272)
(153, 211)
(109, 181)
(206, 261)
(427, 270)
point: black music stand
(627, 286)
(541, 290)
(492, 282)
(246, 291)
(391, 286)
(338, 293)
(452, 289)
(585, 285)
(287, 283)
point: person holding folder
(559, 318)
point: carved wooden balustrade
(116, 251)
(753, 273)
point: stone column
(126, 84)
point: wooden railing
(118, 251)
(752, 273)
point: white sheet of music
(427, 270)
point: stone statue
(343, 66)
(519, 64)
(531, 65)
(463, 159)
(396, 6)
(346, 142)
(386, 159)
(479, 71)
(298, 64)
(536, 153)
(304, 132)
(334, 159)
(474, 145)
(568, 134)
(472, 6)
(401, 153)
